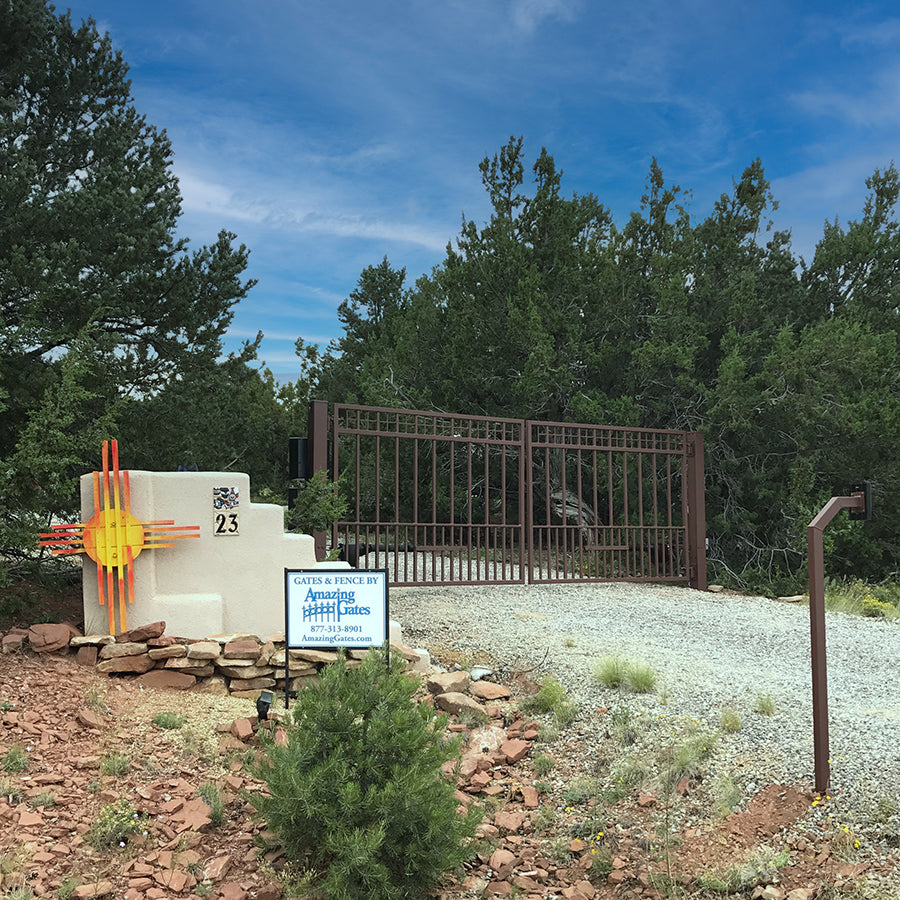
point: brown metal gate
(447, 499)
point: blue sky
(328, 134)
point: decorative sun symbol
(114, 537)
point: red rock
(444, 682)
(232, 891)
(683, 787)
(242, 729)
(86, 656)
(487, 690)
(174, 879)
(242, 648)
(89, 718)
(500, 858)
(142, 633)
(93, 889)
(271, 890)
(511, 821)
(47, 637)
(530, 797)
(216, 869)
(13, 641)
(125, 664)
(499, 889)
(515, 750)
(167, 678)
(454, 703)
(28, 819)
(193, 816)
(122, 648)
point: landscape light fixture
(263, 704)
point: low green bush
(551, 695)
(356, 795)
(115, 822)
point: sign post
(331, 609)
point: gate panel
(436, 499)
(446, 499)
(606, 503)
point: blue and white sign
(328, 608)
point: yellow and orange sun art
(114, 537)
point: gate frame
(692, 499)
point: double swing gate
(446, 499)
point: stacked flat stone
(237, 664)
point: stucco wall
(214, 584)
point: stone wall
(239, 664)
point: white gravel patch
(711, 651)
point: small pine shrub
(356, 796)
(765, 705)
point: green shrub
(543, 763)
(616, 671)
(356, 796)
(168, 719)
(610, 671)
(15, 760)
(318, 506)
(551, 695)
(764, 705)
(115, 763)
(565, 713)
(641, 677)
(209, 791)
(115, 822)
(730, 720)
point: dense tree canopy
(111, 325)
(549, 310)
(102, 305)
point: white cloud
(872, 103)
(527, 15)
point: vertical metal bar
(526, 500)
(317, 433)
(695, 496)
(641, 533)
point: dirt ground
(89, 740)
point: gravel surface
(712, 651)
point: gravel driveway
(711, 651)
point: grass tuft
(616, 671)
(168, 719)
